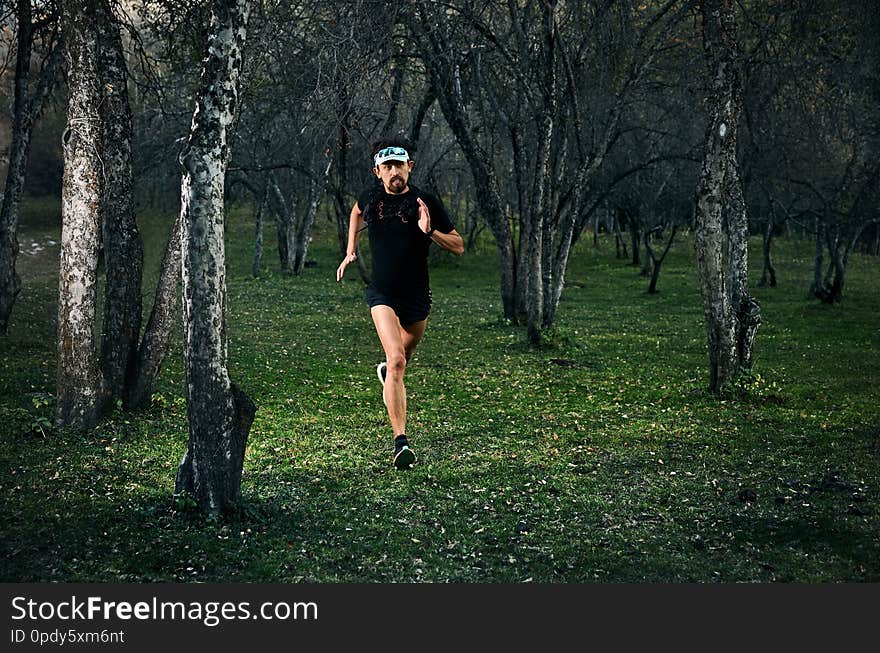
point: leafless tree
(812, 137)
(28, 99)
(721, 239)
(123, 249)
(518, 85)
(220, 414)
(81, 396)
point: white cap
(390, 154)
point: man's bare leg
(389, 330)
(412, 334)
(399, 343)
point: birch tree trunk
(732, 316)
(746, 310)
(220, 414)
(539, 269)
(123, 250)
(80, 387)
(26, 107)
(541, 243)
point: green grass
(599, 459)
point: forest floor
(600, 458)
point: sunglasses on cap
(390, 154)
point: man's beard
(396, 183)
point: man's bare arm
(355, 223)
(451, 242)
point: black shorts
(409, 308)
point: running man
(402, 221)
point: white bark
(732, 316)
(80, 393)
(219, 414)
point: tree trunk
(393, 102)
(489, 201)
(258, 233)
(566, 234)
(157, 336)
(80, 400)
(304, 232)
(634, 236)
(768, 272)
(123, 250)
(541, 269)
(816, 287)
(220, 415)
(731, 315)
(24, 113)
(416, 129)
(839, 251)
(485, 183)
(285, 221)
(10, 282)
(540, 241)
(746, 310)
(655, 276)
(522, 267)
(619, 242)
(535, 297)
(835, 287)
(340, 176)
(656, 261)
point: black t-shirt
(399, 248)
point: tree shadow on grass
(146, 538)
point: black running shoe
(381, 371)
(404, 457)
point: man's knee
(396, 364)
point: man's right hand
(349, 258)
